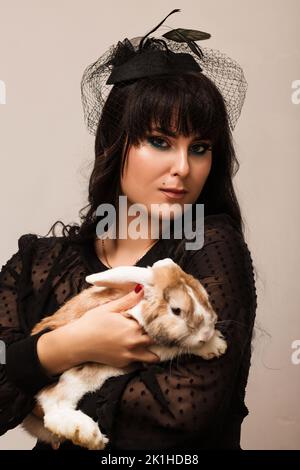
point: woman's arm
(205, 397)
(103, 334)
(35, 361)
(16, 402)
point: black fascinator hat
(175, 52)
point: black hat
(173, 53)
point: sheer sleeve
(206, 398)
(21, 374)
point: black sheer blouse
(185, 403)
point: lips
(174, 193)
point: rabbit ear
(163, 263)
(121, 275)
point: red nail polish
(138, 288)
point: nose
(181, 165)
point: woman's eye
(201, 148)
(197, 149)
(156, 142)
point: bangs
(188, 105)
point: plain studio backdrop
(47, 155)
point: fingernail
(138, 288)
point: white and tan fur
(174, 311)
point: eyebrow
(173, 134)
(165, 131)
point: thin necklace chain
(136, 261)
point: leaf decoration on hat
(125, 50)
(141, 45)
(189, 36)
(182, 35)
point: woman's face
(162, 161)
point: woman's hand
(108, 335)
(104, 334)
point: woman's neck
(124, 251)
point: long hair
(128, 115)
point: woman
(157, 131)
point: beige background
(46, 155)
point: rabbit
(175, 312)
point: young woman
(157, 133)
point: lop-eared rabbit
(175, 312)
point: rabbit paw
(215, 347)
(35, 426)
(76, 426)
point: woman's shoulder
(225, 243)
(224, 249)
(219, 231)
(213, 228)
(219, 236)
(52, 257)
(222, 228)
(41, 250)
(31, 242)
(220, 221)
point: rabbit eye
(176, 311)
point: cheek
(202, 168)
(199, 174)
(141, 168)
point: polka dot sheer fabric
(205, 399)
